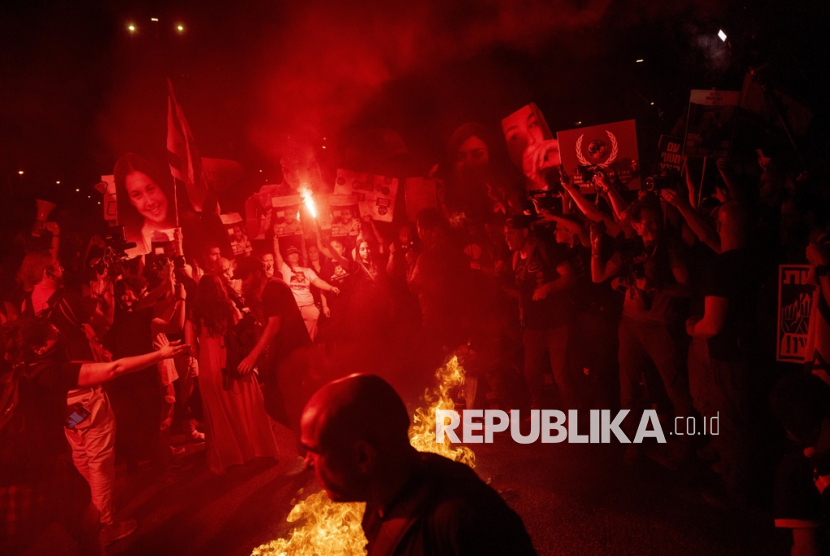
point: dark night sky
(77, 89)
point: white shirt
(299, 280)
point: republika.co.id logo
(553, 426)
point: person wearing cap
(300, 279)
(354, 431)
(544, 277)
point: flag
(182, 155)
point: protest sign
(611, 148)
(794, 308)
(236, 233)
(375, 194)
(710, 123)
(669, 155)
(285, 215)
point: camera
(115, 255)
(587, 172)
(667, 179)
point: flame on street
(422, 431)
(333, 529)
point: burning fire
(333, 529)
(422, 432)
(330, 529)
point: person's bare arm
(713, 320)
(699, 226)
(98, 373)
(325, 286)
(176, 322)
(277, 254)
(271, 330)
(566, 278)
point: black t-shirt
(278, 301)
(798, 503)
(130, 334)
(68, 311)
(42, 398)
(445, 509)
(731, 275)
(539, 268)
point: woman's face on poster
(147, 197)
(522, 129)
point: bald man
(355, 433)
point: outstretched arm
(98, 373)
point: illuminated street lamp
(180, 28)
(131, 28)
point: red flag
(182, 155)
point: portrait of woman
(145, 201)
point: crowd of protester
(592, 297)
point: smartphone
(76, 414)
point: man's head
(214, 253)
(431, 225)
(224, 269)
(517, 231)
(355, 433)
(292, 255)
(647, 220)
(40, 268)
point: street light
(131, 28)
(180, 28)
(20, 172)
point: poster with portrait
(285, 215)
(235, 228)
(344, 214)
(531, 146)
(375, 194)
(710, 123)
(795, 298)
(669, 154)
(611, 148)
(145, 199)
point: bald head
(358, 407)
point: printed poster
(710, 123)
(375, 194)
(795, 299)
(345, 220)
(285, 215)
(235, 227)
(610, 147)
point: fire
(330, 529)
(422, 432)
(333, 529)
